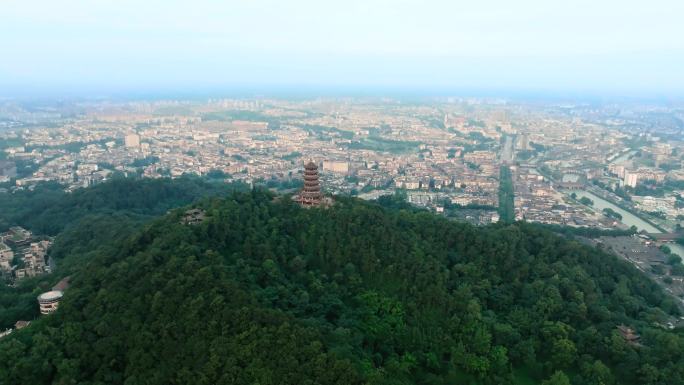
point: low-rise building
(49, 301)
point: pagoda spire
(311, 192)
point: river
(627, 218)
(624, 157)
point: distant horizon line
(305, 91)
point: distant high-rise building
(132, 140)
(311, 192)
(631, 179)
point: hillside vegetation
(48, 209)
(264, 292)
(85, 221)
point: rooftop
(50, 295)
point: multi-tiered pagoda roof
(311, 192)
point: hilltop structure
(49, 301)
(311, 192)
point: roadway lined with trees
(506, 196)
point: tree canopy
(263, 291)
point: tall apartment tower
(631, 179)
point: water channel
(628, 218)
(624, 157)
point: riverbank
(628, 218)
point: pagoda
(311, 192)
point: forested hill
(86, 222)
(264, 292)
(48, 209)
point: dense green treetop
(48, 208)
(87, 220)
(266, 292)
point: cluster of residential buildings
(448, 150)
(359, 146)
(33, 259)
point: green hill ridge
(265, 292)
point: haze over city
(613, 48)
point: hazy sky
(610, 46)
